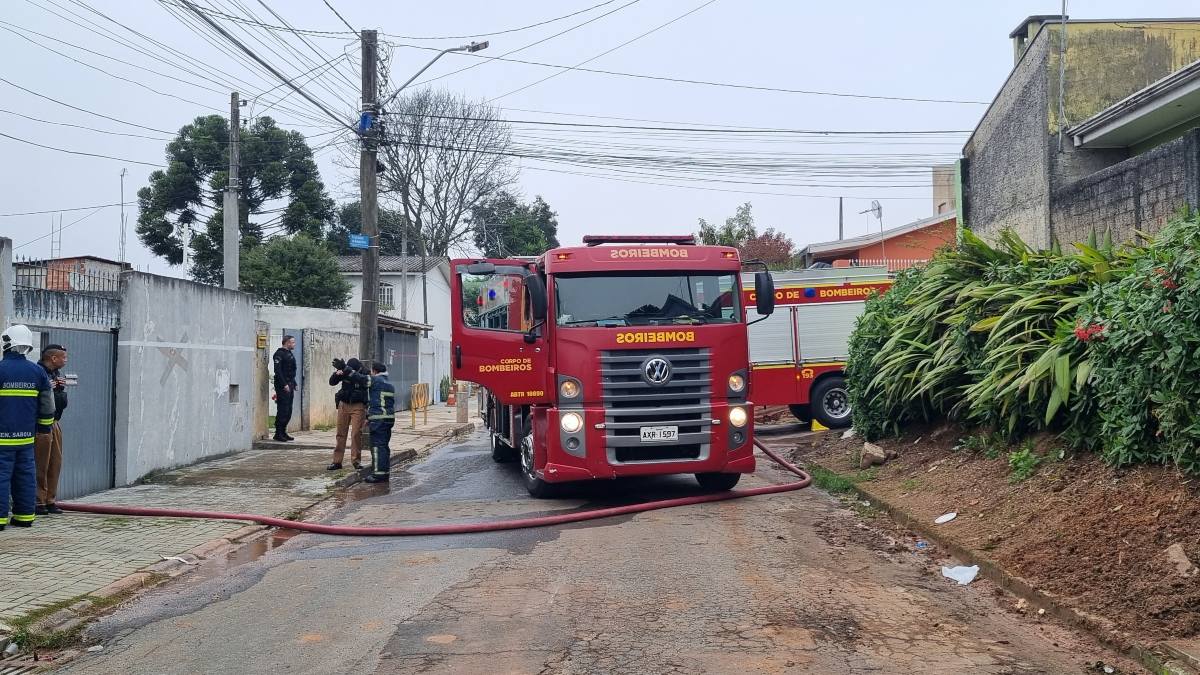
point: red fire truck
(626, 356)
(799, 353)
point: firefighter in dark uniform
(285, 387)
(26, 408)
(381, 415)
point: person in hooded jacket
(26, 409)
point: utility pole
(404, 266)
(231, 239)
(121, 248)
(369, 199)
(841, 221)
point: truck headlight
(568, 389)
(572, 422)
(737, 383)
(737, 416)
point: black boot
(22, 523)
(377, 478)
(53, 509)
(334, 466)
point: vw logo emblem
(657, 370)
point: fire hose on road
(459, 528)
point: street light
(470, 49)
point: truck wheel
(831, 402)
(718, 482)
(538, 488)
(501, 452)
(802, 412)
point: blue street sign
(360, 241)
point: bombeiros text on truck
(798, 354)
(626, 356)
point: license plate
(659, 434)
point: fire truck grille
(631, 403)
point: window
(496, 302)
(646, 299)
(387, 298)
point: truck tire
(802, 412)
(502, 453)
(718, 482)
(831, 402)
(538, 488)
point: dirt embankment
(1119, 544)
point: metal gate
(400, 353)
(87, 424)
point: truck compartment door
(823, 329)
(496, 340)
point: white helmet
(18, 338)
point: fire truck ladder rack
(597, 239)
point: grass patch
(910, 485)
(1023, 463)
(324, 427)
(836, 483)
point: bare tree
(443, 155)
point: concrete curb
(154, 574)
(1096, 626)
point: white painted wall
(439, 298)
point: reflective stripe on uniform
(16, 441)
(3, 521)
(46, 421)
(381, 417)
(23, 519)
(32, 393)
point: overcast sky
(950, 50)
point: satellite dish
(876, 209)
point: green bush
(444, 388)
(1147, 374)
(1023, 463)
(1100, 345)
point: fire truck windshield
(646, 299)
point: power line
(522, 48)
(79, 152)
(605, 53)
(74, 222)
(83, 110)
(502, 32)
(80, 126)
(101, 70)
(339, 15)
(340, 34)
(681, 80)
(815, 132)
(74, 208)
(263, 63)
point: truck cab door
(497, 336)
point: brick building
(897, 248)
(1049, 179)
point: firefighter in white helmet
(26, 408)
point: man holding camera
(352, 407)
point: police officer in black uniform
(285, 387)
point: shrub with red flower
(1093, 331)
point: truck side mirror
(537, 296)
(764, 293)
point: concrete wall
(1107, 61)
(1138, 194)
(1005, 179)
(435, 364)
(261, 407)
(336, 320)
(320, 349)
(185, 360)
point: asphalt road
(791, 583)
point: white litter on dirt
(946, 517)
(963, 575)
